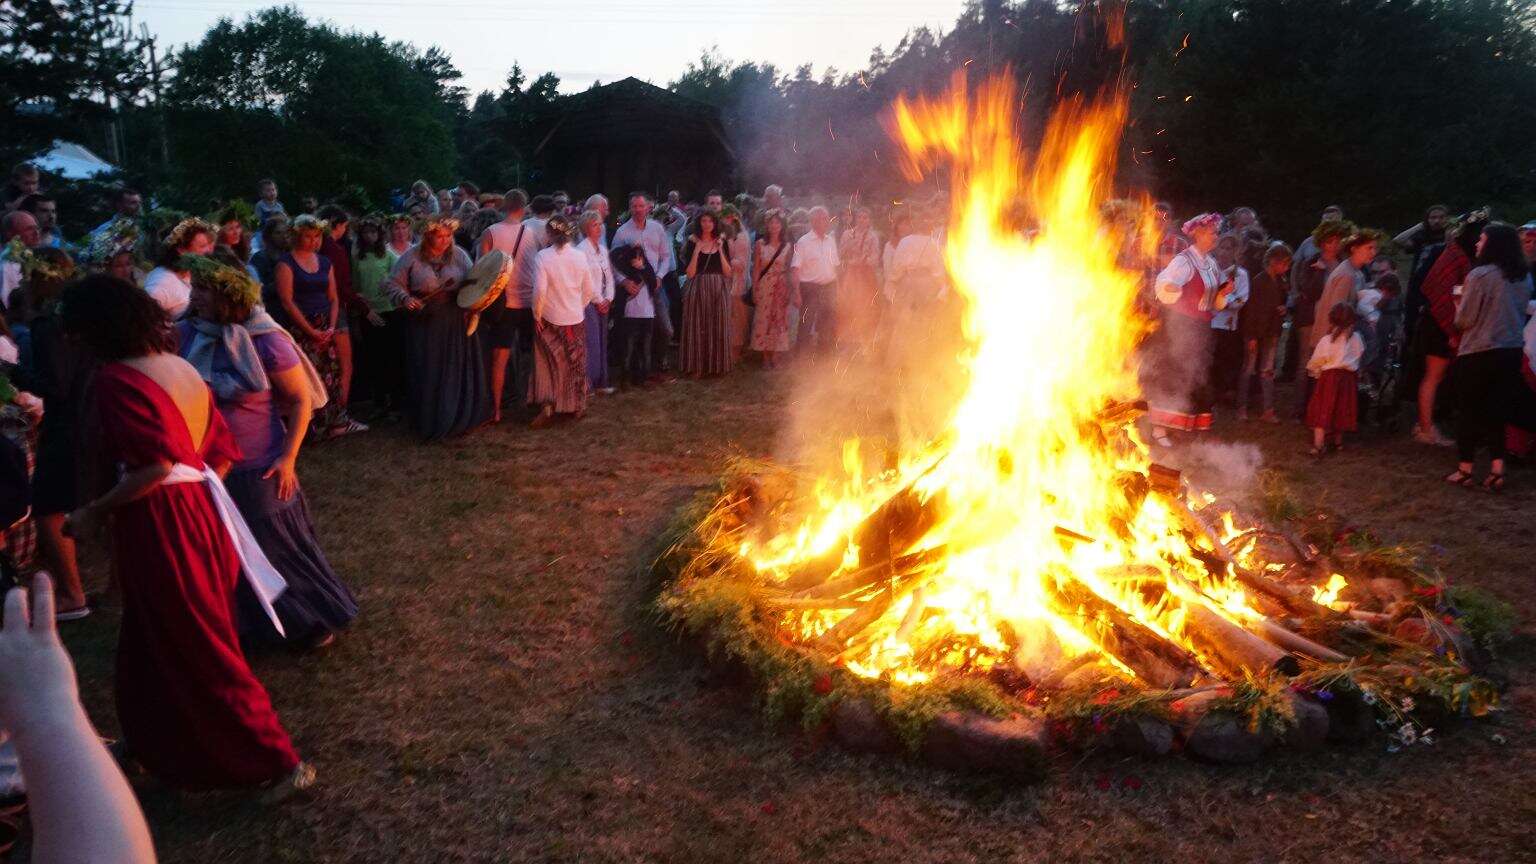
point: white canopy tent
(73, 161)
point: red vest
(1191, 294)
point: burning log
(840, 634)
(1295, 642)
(1277, 594)
(815, 571)
(1153, 658)
(1235, 649)
(868, 577)
(895, 525)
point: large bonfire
(1034, 543)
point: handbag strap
(769, 265)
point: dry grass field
(507, 696)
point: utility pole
(154, 83)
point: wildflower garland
(34, 266)
(708, 593)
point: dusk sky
(587, 40)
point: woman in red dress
(191, 710)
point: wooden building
(629, 136)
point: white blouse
(1334, 353)
(602, 268)
(563, 286)
(169, 290)
(1170, 283)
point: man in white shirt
(512, 327)
(815, 269)
(653, 240)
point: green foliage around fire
(707, 593)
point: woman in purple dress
(266, 389)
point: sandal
(1317, 452)
(1459, 478)
(300, 780)
(1494, 482)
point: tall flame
(1029, 499)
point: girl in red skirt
(1335, 364)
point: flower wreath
(34, 265)
(209, 274)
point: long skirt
(381, 355)
(191, 709)
(560, 368)
(1334, 403)
(316, 601)
(597, 347)
(741, 318)
(772, 322)
(446, 378)
(1176, 380)
(328, 366)
(706, 339)
(859, 305)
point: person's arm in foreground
(82, 808)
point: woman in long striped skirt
(706, 342)
(563, 288)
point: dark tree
(66, 68)
(324, 111)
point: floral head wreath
(186, 229)
(119, 237)
(235, 286)
(34, 266)
(438, 222)
(1204, 220)
(307, 222)
(560, 224)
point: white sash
(264, 578)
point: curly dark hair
(114, 319)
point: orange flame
(1026, 489)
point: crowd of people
(1335, 316)
(170, 402)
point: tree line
(1384, 106)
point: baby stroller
(1381, 384)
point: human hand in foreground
(37, 681)
(287, 477)
(375, 318)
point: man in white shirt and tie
(815, 269)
